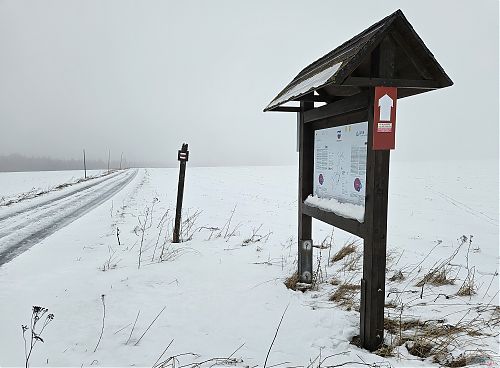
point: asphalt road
(22, 228)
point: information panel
(340, 163)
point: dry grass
(335, 281)
(495, 317)
(439, 339)
(420, 348)
(465, 359)
(317, 276)
(352, 263)
(385, 351)
(257, 237)
(345, 295)
(466, 290)
(437, 277)
(347, 249)
(459, 361)
(430, 329)
(291, 281)
(356, 341)
(468, 287)
(428, 338)
(397, 276)
(394, 326)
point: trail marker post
(182, 157)
(344, 145)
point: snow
(32, 220)
(30, 199)
(223, 292)
(16, 183)
(347, 210)
(306, 85)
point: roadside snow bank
(347, 210)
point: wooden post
(109, 156)
(84, 165)
(182, 156)
(306, 172)
(375, 240)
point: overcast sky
(144, 76)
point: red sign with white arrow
(384, 118)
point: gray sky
(143, 76)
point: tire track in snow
(50, 201)
(36, 223)
(35, 213)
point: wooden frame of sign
(387, 54)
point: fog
(142, 77)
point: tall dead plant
(37, 314)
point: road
(24, 225)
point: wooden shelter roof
(345, 71)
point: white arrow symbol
(385, 103)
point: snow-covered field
(221, 293)
(15, 183)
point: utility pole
(121, 158)
(109, 156)
(84, 164)
(182, 156)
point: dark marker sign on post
(358, 82)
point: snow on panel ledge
(347, 210)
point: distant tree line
(17, 162)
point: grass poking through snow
(346, 250)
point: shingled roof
(338, 72)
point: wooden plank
(349, 225)
(390, 82)
(377, 190)
(314, 98)
(344, 106)
(306, 170)
(286, 109)
(335, 121)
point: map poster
(340, 163)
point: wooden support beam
(349, 225)
(286, 109)
(375, 239)
(341, 107)
(390, 82)
(306, 167)
(340, 120)
(313, 98)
